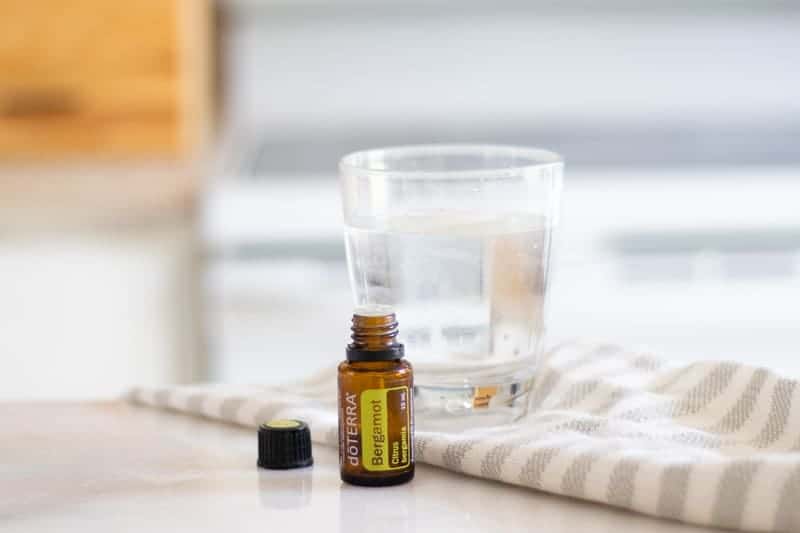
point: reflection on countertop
(144, 469)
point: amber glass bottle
(376, 415)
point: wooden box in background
(104, 105)
(103, 78)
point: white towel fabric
(712, 443)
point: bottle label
(385, 428)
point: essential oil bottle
(376, 415)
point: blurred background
(169, 205)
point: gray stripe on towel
(622, 481)
(732, 492)
(778, 413)
(573, 482)
(672, 490)
(787, 515)
(161, 397)
(740, 413)
(454, 454)
(531, 474)
(230, 408)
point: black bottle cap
(284, 444)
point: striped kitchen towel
(712, 443)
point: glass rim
(539, 158)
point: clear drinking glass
(457, 238)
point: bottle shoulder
(400, 366)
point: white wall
(293, 69)
(89, 313)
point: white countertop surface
(115, 467)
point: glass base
(486, 403)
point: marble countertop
(116, 467)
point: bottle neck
(374, 338)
